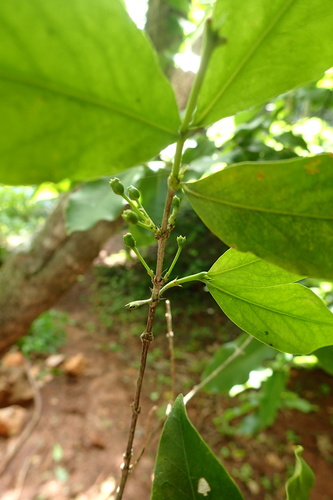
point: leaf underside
(73, 86)
(271, 47)
(280, 211)
(264, 303)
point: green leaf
(268, 405)
(288, 317)
(186, 469)
(325, 359)
(237, 372)
(280, 211)
(82, 94)
(293, 401)
(271, 47)
(298, 487)
(270, 399)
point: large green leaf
(271, 47)
(281, 211)
(186, 469)
(299, 486)
(288, 317)
(82, 94)
(238, 371)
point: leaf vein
(255, 209)
(83, 98)
(250, 53)
(275, 311)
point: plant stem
(211, 41)
(174, 262)
(170, 336)
(143, 262)
(179, 281)
(146, 339)
(237, 352)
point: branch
(237, 352)
(170, 336)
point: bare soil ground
(76, 449)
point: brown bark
(32, 281)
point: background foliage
(97, 126)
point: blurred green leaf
(185, 467)
(271, 47)
(237, 372)
(57, 452)
(270, 398)
(293, 401)
(252, 293)
(268, 405)
(61, 474)
(325, 358)
(299, 486)
(281, 211)
(82, 92)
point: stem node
(147, 337)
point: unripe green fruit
(116, 186)
(133, 193)
(129, 240)
(130, 217)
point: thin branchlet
(162, 235)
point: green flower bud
(181, 240)
(116, 186)
(130, 217)
(175, 204)
(129, 241)
(174, 210)
(133, 193)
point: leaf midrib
(254, 209)
(238, 70)
(82, 98)
(280, 313)
(182, 416)
(228, 270)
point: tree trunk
(32, 281)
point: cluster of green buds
(136, 214)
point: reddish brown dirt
(88, 417)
